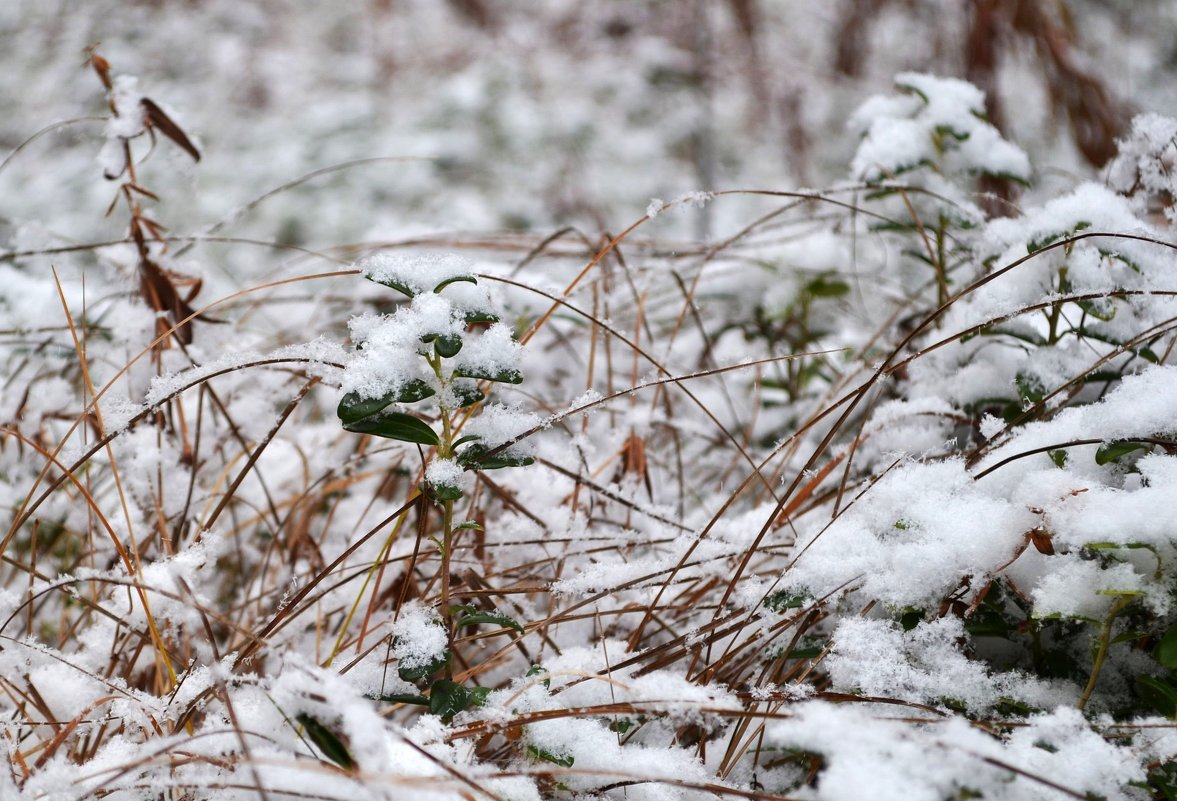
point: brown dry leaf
(1040, 539)
(633, 460)
(100, 65)
(161, 295)
(158, 119)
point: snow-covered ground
(463, 400)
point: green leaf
(395, 425)
(469, 279)
(448, 345)
(401, 698)
(392, 283)
(1167, 649)
(563, 760)
(473, 317)
(466, 393)
(474, 458)
(415, 673)
(907, 87)
(1030, 388)
(1058, 456)
(987, 622)
(443, 492)
(1157, 694)
(414, 390)
(326, 741)
(1006, 176)
(911, 618)
(1129, 636)
(539, 670)
(508, 376)
(949, 131)
(473, 617)
(352, 407)
(1035, 245)
(448, 698)
(781, 600)
(1101, 309)
(827, 287)
(1115, 593)
(1163, 780)
(477, 695)
(1010, 707)
(1111, 451)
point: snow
(923, 527)
(493, 351)
(1083, 589)
(868, 755)
(939, 123)
(419, 272)
(443, 473)
(418, 636)
(927, 665)
(498, 424)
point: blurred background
(475, 115)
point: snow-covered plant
(1032, 391)
(921, 151)
(430, 356)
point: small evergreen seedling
(417, 379)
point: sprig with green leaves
(421, 377)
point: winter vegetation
(463, 400)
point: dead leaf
(1040, 539)
(161, 295)
(100, 65)
(161, 121)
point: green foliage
(781, 600)
(448, 698)
(1162, 780)
(562, 760)
(474, 457)
(1112, 451)
(469, 616)
(395, 425)
(330, 745)
(415, 673)
(1166, 651)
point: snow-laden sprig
(433, 352)
(934, 123)
(436, 349)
